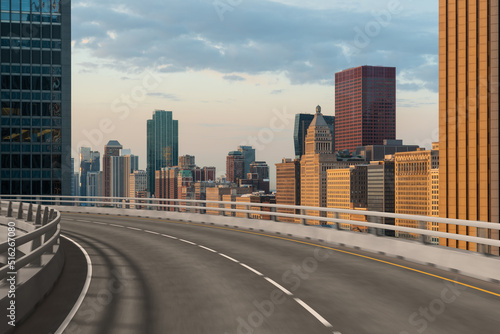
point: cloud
(166, 96)
(308, 44)
(233, 78)
(277, 91)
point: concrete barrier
(39, 262)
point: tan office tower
(468, 116)
(416, 176)
(288, 187)
(318, 158)
(339, 193)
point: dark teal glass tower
(163, 144)
(35, 78)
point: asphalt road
(151, 276)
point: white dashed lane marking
(278, 286)
(208, 249)
(251, 269)
(298, 300)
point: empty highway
(152, 276)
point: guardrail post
(274, 218)
(247, 214)
(423, 238)
(482, 233)
(29, 218)
(38, 217)
(52, 214)
(374, 230)
(9, 210)
(37, 242)
(337, 225)
(45, 216)
(20, 211)
(303, 221)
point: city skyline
(243, 102)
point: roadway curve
(151, 276)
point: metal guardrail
(328, 217)
(43, 238)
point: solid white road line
(229, 258)
(85, 289)
(251, 269)
(314, 313)
(208, 249)
(188, 242)
(278, 286)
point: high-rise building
(208, 174)
(235, 166)
(120, 176)
(347, 189)
(249, 156)
(85, 165)
(75, 187)
(468, 117)
(381, 191)
(112, 149)
(288, 187)
(187, 162)
(95, 161)
(134, 162)
(162, 144)
(365, 106)
(94, 184)
(415, 186)
(138, 182)
(302, 122)
(35, 91)
(261, 169)
(166, 184)
(378, 152)
(318, 158)
(339, 193)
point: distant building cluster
(353, 161)
(120, 175)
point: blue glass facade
(35, 95)
(162, 144)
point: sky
(235, 72)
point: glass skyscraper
(163, 144)
(35, 121)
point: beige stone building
(339, 192)
(318, 158)
(288, 187)
(416, 179)
(468, 116)
(339, 196)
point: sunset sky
(237, 71)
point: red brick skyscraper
(365, 106)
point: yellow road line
(310, 244)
